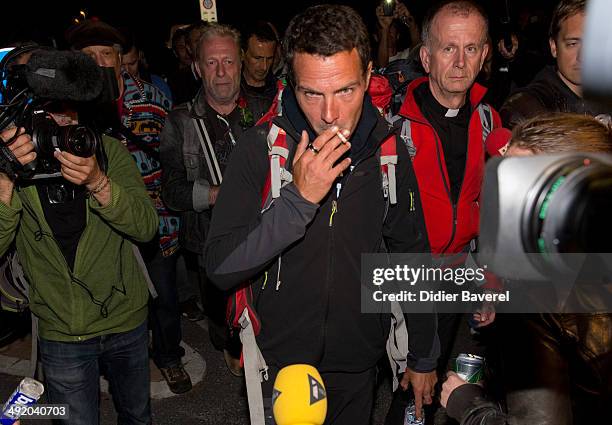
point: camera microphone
(299, 396)
(63, 75)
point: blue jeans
(72, 376)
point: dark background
(43, 21)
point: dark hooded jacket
(311, 309)
(546, 93)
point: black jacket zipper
(288, 128)
(331, 244)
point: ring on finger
(312, 148)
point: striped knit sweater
(143, 110)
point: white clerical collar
(451, 113)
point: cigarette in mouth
(343, 139)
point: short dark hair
(261, 30)
(457, 7)
(325, 30)
(178, 34)
(564, 10)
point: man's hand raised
(314, 165)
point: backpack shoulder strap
(406, 136)
(278, 175)
(486, 120)
(388, 161)
(405, 131)
(207, 148)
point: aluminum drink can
(469, 367)
(27, 393)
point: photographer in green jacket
(74, 238)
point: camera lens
(578, 216)
(567, 212)
(78, 140)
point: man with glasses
(197, 141)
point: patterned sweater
(143, 109)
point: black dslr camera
(26, 90)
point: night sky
(151, 20)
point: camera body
(48, 136)
(25, 96)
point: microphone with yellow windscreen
(299, 396)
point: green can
(469, 367)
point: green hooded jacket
(106, 292)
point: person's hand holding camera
(85, 172)
(383, 20)
(23, 149)
(402, 13)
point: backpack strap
(145, 272)
(278, 152)
(208, 150)
(406, 136)
(405, 132)
(255, 369)
(486, 120)
(397, 343)
(388, 161)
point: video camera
(547, 216)
(26, 91)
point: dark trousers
(72, 376)
(214, 302)
(448, 326)
(350, 397)
(164, 313)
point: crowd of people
(259, 170)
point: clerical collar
(439, 110)
(451, 113)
